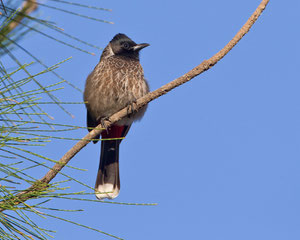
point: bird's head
(124, 46)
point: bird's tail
(108, 179)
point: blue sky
(220, 154)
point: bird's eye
(125, 45)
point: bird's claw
(132, 108)
(103, 121)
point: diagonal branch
(42, 184)
(27, 8)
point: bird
(117, 81)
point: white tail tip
(107, 190)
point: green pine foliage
(25, 124)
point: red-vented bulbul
(117, 81)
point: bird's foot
(132, 108)
(103, 121)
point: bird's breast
(116, 82)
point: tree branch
(42, 184)
(27, 8)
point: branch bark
(42, 184)
(27, 8)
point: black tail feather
(108, 179)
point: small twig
(42, 184)
(8, 99)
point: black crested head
(124, 46)
(121, 37)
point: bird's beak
(140, 46)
